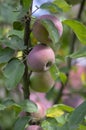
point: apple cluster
(42, 56)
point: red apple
(41, 33)
(41, 58)
(34, 127)
(40, 114)
(41, 81)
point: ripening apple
(41, 33)
(40, 114)
(33, 127)
(40, 58)
(41, 81)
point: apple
(73, 2)
(40, 114)
(41, 33)
(41, 81)
(33, 127)
(40, 58)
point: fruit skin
(41, 81)
(40, 114)
(33, 127)
(41, 58)
(41, 33)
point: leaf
(51, 7)
(13, 73)
(10, 104)
(14, 42)
(2, 107)
(62, 4)
(53, 32)
(50, 124)
(79, 53)
(6, 54)
(21, 122)
(77, 116)
(54, 71)
(62, 77)
(26, 3)
(17, 25)
(58, 110)
(78, 28)
(28, 106)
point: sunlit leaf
(6, 54)
(2, 107)
(51, 7)
(62, 4)
(78, 28)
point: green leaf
(53, 32)
(2, 107)
(79, 53)
(6, 54)
(13, 73)
(14, 43)
(29, 106)
(17, 25)
(78, 28)
(77, 116)
(50, 124)
(82, 127)
(21, 122)
(62, 77)
(10, 104)
(17, 33)
(54, 71)
(26, 3)
(58, 110)
(62, 4)
(51, 7)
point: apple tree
(36, 53)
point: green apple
(41, 81)
(40, 58)
(41, 33)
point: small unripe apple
(41, 58)
(41, 33)
(40, 114)
(41, 81)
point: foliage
(15, 73)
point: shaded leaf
(77, 116)
(2, 107)
(78, 28)
(21, 122)
(6, 54)
(13, 73)
(17, 25)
